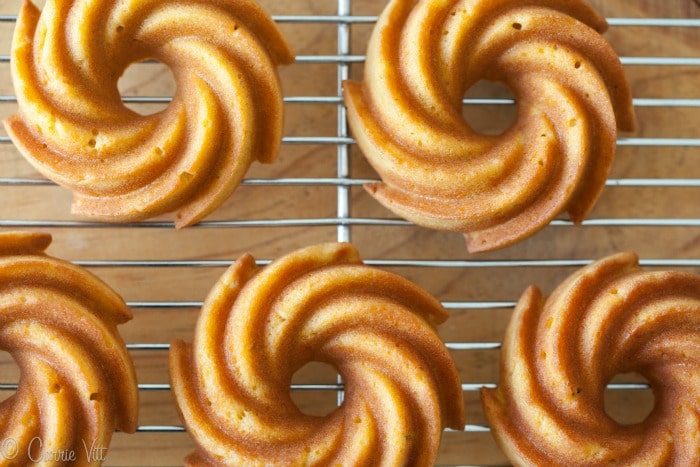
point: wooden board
(46, 207)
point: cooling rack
(314, 193)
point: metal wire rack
(651, 205)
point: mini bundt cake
(559, 354)
(259, 326)
(73, 127)
(77, 382)
(436, 170)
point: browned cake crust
(436, 170)
(73, 127)
(77, 382)
(259, 326)
(560, 353)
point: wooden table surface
(163, 296)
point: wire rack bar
(450, 345)
(369, 19)
(346, 140)
(525, 263)
(336, 100)
(348, 182)
(349, 59)
(643, 61)
(181, 429)
(343, 150)
(334, 222)
(466, 387)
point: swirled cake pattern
(73, 127)
(259, 326)
(436, 171)
(559, 354)
(77, 383)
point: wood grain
(24, 203)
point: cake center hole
(10, 374)
(143, 86)
(489, 109)
(629, 405)
(315, 389)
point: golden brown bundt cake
(321, 303)
(559, 354)
(122, 166)
(436, 170)
(77, 382)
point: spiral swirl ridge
(77, 381)
(560, 353)
(73, 127)
(321, 303)
(436, 170)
